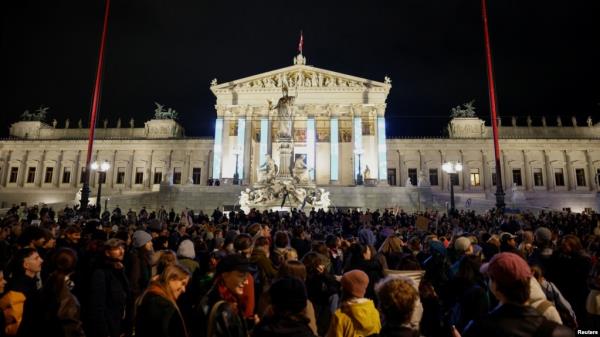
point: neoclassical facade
(338, 130)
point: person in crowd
(357, 315)
(22, 297)
(157, 313)
(299, 241)
(322, 289)
(361, 258)
(61, 314)
(186, 254)
(508, 243)
(221, 309)
(398, 300)
(569, 268)
(260, 259)
(109, 293)
(287, 316)
(391, 248)
(471, 301)
(139, 267)
(509, 277)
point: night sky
(546, 56)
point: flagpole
(493, 107)
(85, 191)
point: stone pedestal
(285, 157)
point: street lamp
(101, 168)
(236, 176)
(359, 176)
(452, 168)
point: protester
(397, 303)
(157, 313)
(357, 315)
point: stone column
(526, 172)
(58, 167)
(249, 136)
(464, 182)
(131, 170)
(6, 172)
(39, 178)
(483, 171)
(568, 178)
(23, 170)
(149, 180)
(504, 174)
(114, 169)
(592, 173)
(549, 172)
(442, 173)
(77, 171)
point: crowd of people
(339, 273)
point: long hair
(173, 272)
(65, 261)
(160, 286)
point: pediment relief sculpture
(301, 78)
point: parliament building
(338, 130)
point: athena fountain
(283, 185)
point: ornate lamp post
(452, 168)
(359, 176)
(102, 169)
(236, 176)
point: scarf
(237, 302)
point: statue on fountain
(300, 170)
(284, 109)
(267, 171)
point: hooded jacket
(357, 317)
(538, 301)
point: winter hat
(141, 238)
(186, 249)
(543, 234)
(355, 283)
(506, 268)
(462, 244)
(288, 294)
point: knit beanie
(186, 249)
(288, 294)
(141, 238)
(355, 283)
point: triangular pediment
(300, 76)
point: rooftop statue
(161, 113)
(467, 110)
(39, 115)
(589, 121)
(387, 80)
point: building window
(139, 175)
(559, 177)
(157, 176)
(598, 177)
(196, 176)
(82, 175)
(454, 179)
(580, 176)
(538, 178)
(31, 175)
(517, 177)
(48, 175)
(101, 177)
(493, 178)
(177, 175)
(412, 175)
(433, 177)
(391, 177)
(66, 178)
(14, 173)
(120, 175)
(475, 178)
